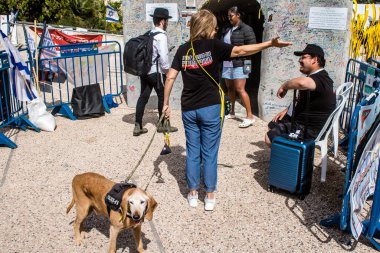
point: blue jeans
(203, 132)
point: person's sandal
(230, 116)
(246, 123)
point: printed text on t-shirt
(204, 59)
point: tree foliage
(78, 13)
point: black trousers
(148, 83)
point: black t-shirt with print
(198, 89)
(322, 101)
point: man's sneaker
(160, 129)
(138, 130)
(192, 199)
(209, 204)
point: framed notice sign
(190, 4)
(328, 18)
(172, 8)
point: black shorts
(284, 127)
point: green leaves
(78, 13)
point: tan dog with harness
(89, 193)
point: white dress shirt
(160, 47)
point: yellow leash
(221, 92)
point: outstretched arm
(245, 50)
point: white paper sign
(328, 18)
(172, 8)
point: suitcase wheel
(270, 188)
(301, 197)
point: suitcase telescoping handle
(292, 126)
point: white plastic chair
(323, 136)
(343, 90)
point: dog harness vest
(115, 195)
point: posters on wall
(328, 18)
(191, 4)
(172, 8)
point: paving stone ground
(35, 189)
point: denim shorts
(234, 73)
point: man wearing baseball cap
(322, 99)
(151, 81)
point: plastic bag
(40, 117)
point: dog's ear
(152, 204)
(125, 204)
(124, 211)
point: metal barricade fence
(358, 73)
(12, 111)
(78, 65)
(374, 62)
(343, 218)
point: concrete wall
(290, 21)
(134, 24)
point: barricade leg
(106, 107)
(64, 110)
(22, 122)
(6, 141)
(331, 221)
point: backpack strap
(158, 56)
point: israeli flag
(31, 44)
(23, 88)
(12, 19)
(111, 15)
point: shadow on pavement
(102, 224)
(176, 164)
(149, 117)
(322, 202)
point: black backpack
(138, 51)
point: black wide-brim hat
(161, 13)
(311, 49)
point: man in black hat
(156, 76)
(322, 99)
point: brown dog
(89, 191)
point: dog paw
(79, 241)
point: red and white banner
(60, 38)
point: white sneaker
(192, 199)
(209, 204)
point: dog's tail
(70, 206)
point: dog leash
(166, 127)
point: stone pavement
(35, 189)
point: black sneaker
(138, 130)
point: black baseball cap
(311, 49)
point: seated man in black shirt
(322, 97)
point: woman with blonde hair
(202, 100)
